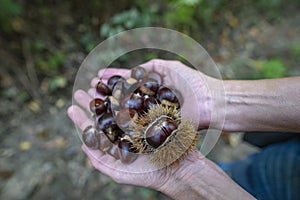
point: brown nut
(106, 123)
(138, 73)
(102, 89)
(158, 132)
(90, 137)
(148, 86)
(114, 151)
(105, 144)
(112, 81)
(156, 76)
(97, 106)
(125, 116)
(133, 101)
(167, 96)
(126, 152)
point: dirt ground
(40, 154)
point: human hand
(193, 87)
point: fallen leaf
(34, 106)
(58, 142)
(24, 145)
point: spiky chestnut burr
(178, 136)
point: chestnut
(167, 94)
(90, 137)
(114, 151)
(156, 76)
(125, 116)
(148, 102)
(114, 103)
(107, 102)
(133, 101)
(114, 134)
(106, 123)
(155, 136)
(129, 84)
(138, 73)
(102, 89)
(112, 81)
(169, 126)
(97, 106)
(158, 132)
(117, 91)
(126, 151)
(149, 86)
(104, 144)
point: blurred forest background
(43, 43)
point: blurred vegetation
(44, 42)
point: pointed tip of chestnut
(102, 89)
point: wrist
(200, 178)
(179, 180)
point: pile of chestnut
(126, 101)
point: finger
(100, 160)
(160, 66)
(92, 92)
(94, 82)
(109, 72)
(79, 117)
(83, 99)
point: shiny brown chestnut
(107, 102)
(114, 134)
(125, 116)
(106, 123)
(90, 137)
(114, 151)
(158, 132)
(156, 76)
(112, 81)
(126, 151)
(118, 90)
(105, 144)
(97, 106)
(149, 101)
(168, 126)
(149, 86)
(102, 89)
(167, 94)
(138, 73)
(129, 84)
(133, 101)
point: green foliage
(128, 19)
(50, 63)
(88, 41)
(55, 60)
(295, 49)
(187, 14)
(9, 10)
(270, 8)
(273, 68)
(38, 45)
(181, 13)
(56, 83)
